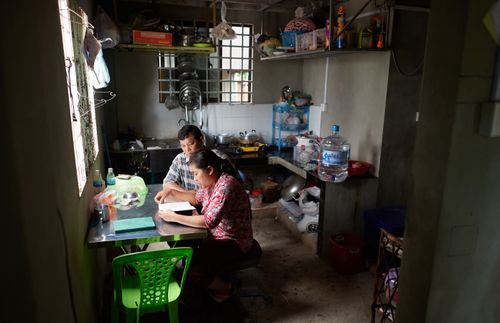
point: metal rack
(281, 129)
(386, 8)
(390, 253)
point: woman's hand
(168, 215)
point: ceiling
(252, 5)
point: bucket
(347, 253)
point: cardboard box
(151, 37)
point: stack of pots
(189, 86)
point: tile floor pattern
(304, 288)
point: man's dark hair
(189, 129)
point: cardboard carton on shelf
(151, 38)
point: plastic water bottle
(335, 152)
(110, 178)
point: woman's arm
(196, 221)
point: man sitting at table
(225, 212)
(179, 176)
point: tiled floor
(304, 288)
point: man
(179, 176)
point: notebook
(134, 224)
(176, 206)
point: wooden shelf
(167, 49)
(320, 53)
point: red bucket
(347, 253)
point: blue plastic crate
(288, 38)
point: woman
(225, 212)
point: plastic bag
(107, 31)
(309, 207)
(223, 30)
(100, 74)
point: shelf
(167, 49)
(321, 53)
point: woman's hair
(205, 157)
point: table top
(102, 234)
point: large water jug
(335, 152)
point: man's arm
(177, 194)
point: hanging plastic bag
(107, 31)
(223, 30)
(100, 74)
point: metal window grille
(226, 76)
(80, 92)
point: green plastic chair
(148, 285)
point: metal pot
(249, 138)
(223, 139)
(291, 187)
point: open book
(176, 206)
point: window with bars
(80, 92)
(225, 76)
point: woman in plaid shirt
(225, 212)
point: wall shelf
(167, 49)
(320, 53)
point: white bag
(223, 30)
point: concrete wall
(49, 274)
(135, 81)
(451, 263)
(403, 91)
(355, 96)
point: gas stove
(236, 150)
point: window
(236, 67)
(80, 92)
(226, 76)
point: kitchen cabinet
(151, 164)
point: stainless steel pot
(291, 187)
(223, 139)
(249, 138)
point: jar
(270, 191)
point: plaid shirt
(181, 174)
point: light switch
(489, 124)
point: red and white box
(151, 37)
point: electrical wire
(66, 262)
(398, 67)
